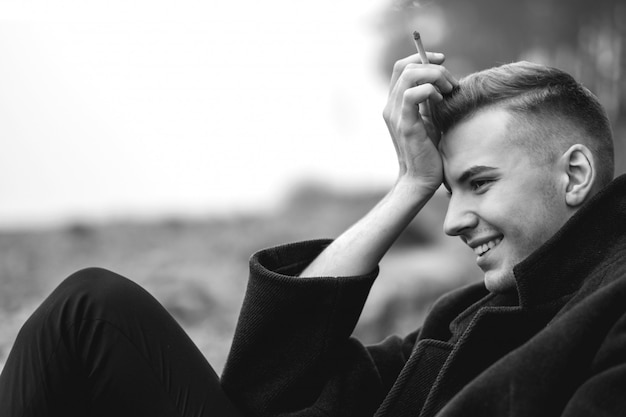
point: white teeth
(480, 250)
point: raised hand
(359, 249)
(408, 118)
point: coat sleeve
(603, 393)
(292, 353)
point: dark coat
(557, 347)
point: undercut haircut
(550, 109)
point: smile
(480, 250)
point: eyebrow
(475, 170)
(468, 173)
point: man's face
(503, 204)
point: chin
(500, 281)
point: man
(526, 155)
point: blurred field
(198, 268)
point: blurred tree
(587, 39)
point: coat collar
(559, 267)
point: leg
(100, 345)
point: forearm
(292, 351)
(359, 249)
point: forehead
(482, 139)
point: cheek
(534, 221)
(520, 223)
(521, 216)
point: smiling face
(504, 201)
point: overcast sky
(144, 108)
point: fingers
(413, 85)
(418, 83)
(400, 65)
(416, 74)
(419, 94)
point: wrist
(414, 191)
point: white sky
(148, 108)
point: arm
(359, 249)
(292, 354)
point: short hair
(547, 101)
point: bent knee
(101, 287)
(94, 279)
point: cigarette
(420, 48)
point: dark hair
(539, 96)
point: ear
(579, 166)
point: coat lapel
(414, 382)
(492, 333)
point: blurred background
(169, 141)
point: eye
(479, 184)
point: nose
(460, 217)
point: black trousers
(100, 345)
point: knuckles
(399, 66)
(419, 92)
(408, 63)
(386, 115)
